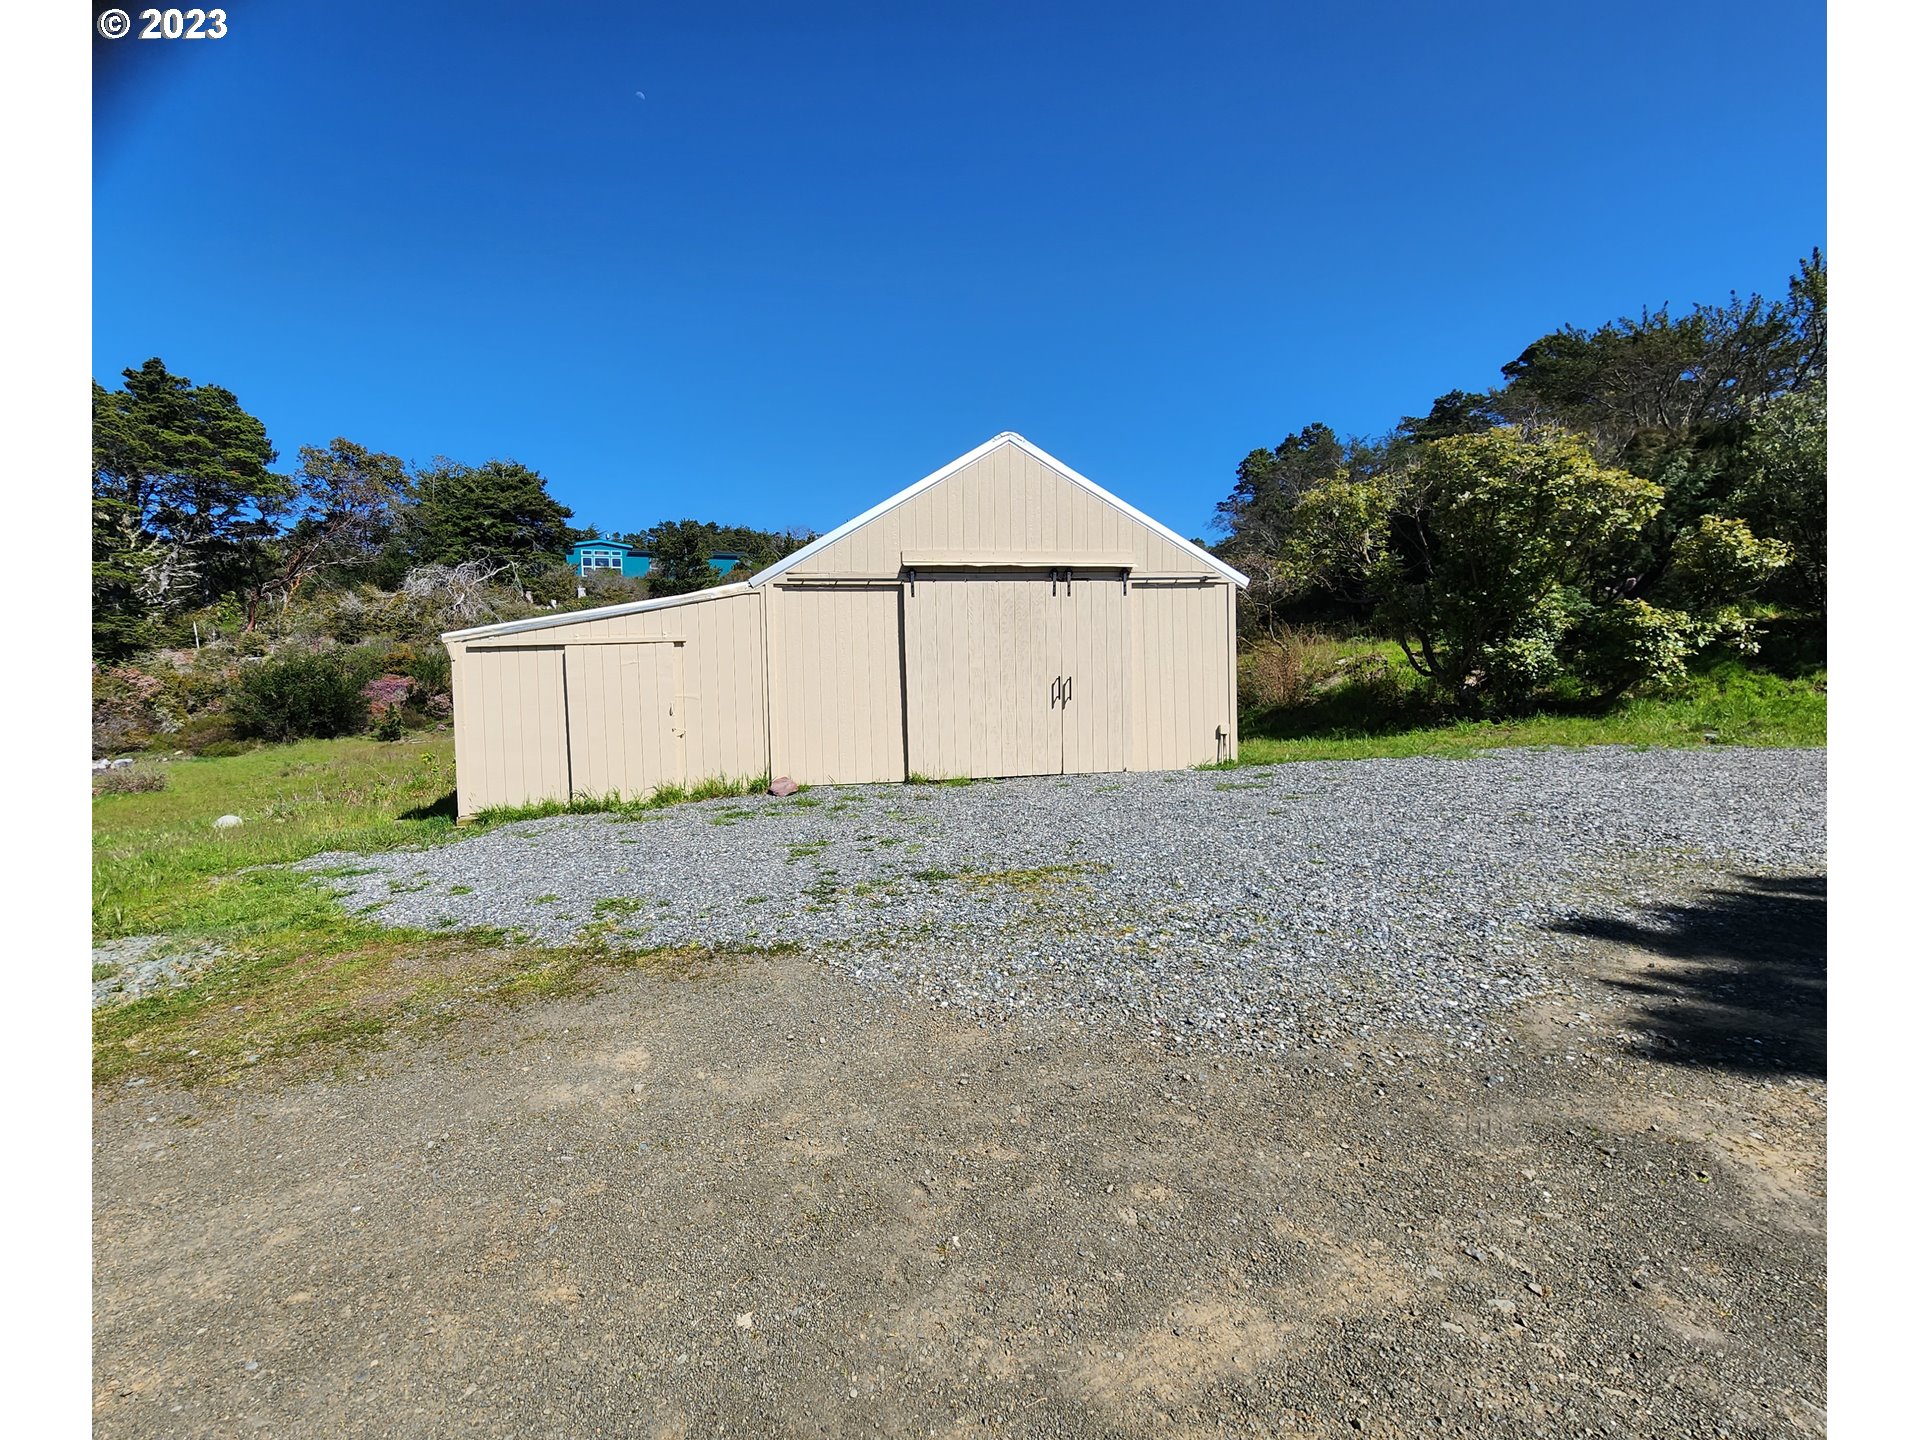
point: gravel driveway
(1248, 910)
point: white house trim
(604, 612)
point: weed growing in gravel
(1041, 878)
(621, 807)
(804, 850)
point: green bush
(298, 696)
(432, 670)
(199, 734)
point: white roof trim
(1006, 437)
(604, 612)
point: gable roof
(1005, 437)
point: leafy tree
(1458, 412)
(1505, 544)
(183, 497)
(681, 550)
(1260, 517)
(497, 511)
(1641, 387)
(342, 509)
(1784, 491)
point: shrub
(123, 712)
(199, 734)
(391, 724)
(1282, 673)
(432, 671)
(299, 695)
(386, 693)
(129, 782)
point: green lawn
(1731, 705)
(299, 979)
(154, 854)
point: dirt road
(760, 1201)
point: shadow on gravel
(1751, 992)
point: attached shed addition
(1003, 616)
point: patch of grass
(105, 970)
(1730, 703)
(935, 877)
(460, 890)
(622, 807)
(156, 854)
(916, 778)
(619, 905)
(804, 850)
(298, 978)
(1043, 877)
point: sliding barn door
(982, 665)
(1016, 674)
(1093, 669)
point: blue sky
(836, 245)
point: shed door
(983, 657)
(1093, 669)
(1015, 675)
(626, 726)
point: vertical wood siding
(836, 690)
(510, 727)
(624, 720)
(546, 720)
(1005, 500)
(1184, 691)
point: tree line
(1627, 499)
(191, 513)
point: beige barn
(1004, 616)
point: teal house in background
(591, 557)
(597, 557)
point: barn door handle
(1066, 690)
(1053, 694)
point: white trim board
(1005, 437)
(604, 612)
